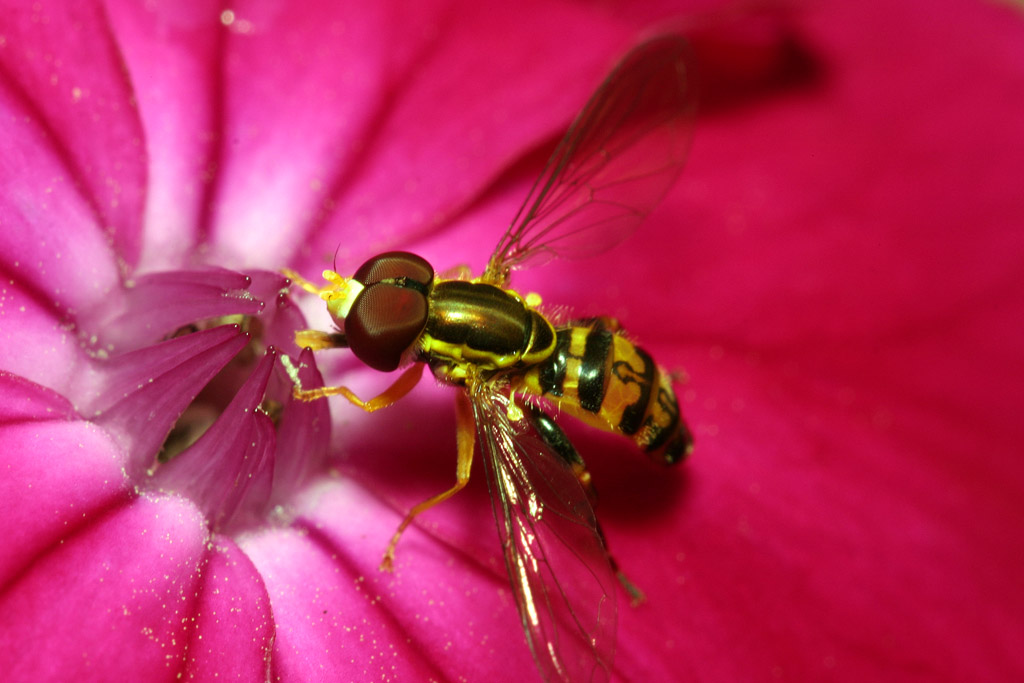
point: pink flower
(838, 273)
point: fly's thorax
(483, 325)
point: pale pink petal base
(158, 304)
(51, 244)
(171, 50)
(34, 342)
(62, 64)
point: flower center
(215, 397)
(188, 380)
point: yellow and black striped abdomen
(601, 378)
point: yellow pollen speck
(76, 94)
(227, 17)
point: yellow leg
(300, 281)
(559, 444)
(465, 440)
(315, 340)
(402, 386)
(604, 322)
(459, 272)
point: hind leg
(555, 438)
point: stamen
(140, 395)
(159, 303)
(184, 379)
(303, 434)
(229, 469)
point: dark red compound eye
(391, 312)
(393, 265)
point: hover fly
(512, 364)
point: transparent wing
(618, 159)
(561, 578)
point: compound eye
(384, 323)
(395, 265)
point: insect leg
(300, 281)
(556, 439)
(459, 272)
(465, 440)
(600, 322)
(315, 340)
(402, 386)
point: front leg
(300, 281)
(402, 386)
(315, 340)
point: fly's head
(383, 307)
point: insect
(512, 364)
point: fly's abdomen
(482, 325)
(603, 379)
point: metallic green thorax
(483, 325)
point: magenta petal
(279, 328)
(159, 303)
(442, 614)
(54, 476)
(21, 399)
(280, 317)
(332, 77)
(232, 463)
(265, 285)
(232, 627)
(391, 125)
(113, 598)
(141, 394)
(472, 105)
(63, 62)
(303, 435)
(329, 625)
